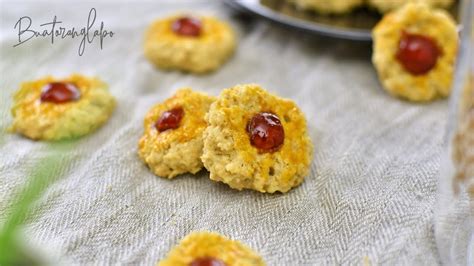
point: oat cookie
(328, 6)
(172, 141)
(256, 140)
(414, 52)
(207, 248)
(388, 5)
(189, 43)
(56, 109)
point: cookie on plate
(256, 140)
(388, 5)
(328, 6)
(207, 248)
(196, 44)
(57, 109)
(414, 52)
(172, 141)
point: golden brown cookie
(196, 44)
(256, 140)
(207, 248)
(389, 5)
(328, 6)
(56, 109)
(414, 52)
(172, 142)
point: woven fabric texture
(370, 197)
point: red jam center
(170, 119)
(60, 92)
(417, 53)
(207, 261)
(266, 132)
(187, 26)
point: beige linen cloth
(370, 197)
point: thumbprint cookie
(196, 44)
(414, 52)
(172, 142)
(57, 109)
(207, 248)
(256, 140)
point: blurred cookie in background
(414, 52)
(189, 43)
(211, 249)
(58, 109)
(327, 6)
(384, 6)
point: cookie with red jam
(197, 44)
(172, 142)
(414, 52)
(256, 140)
(58, 109)
(207, 248)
